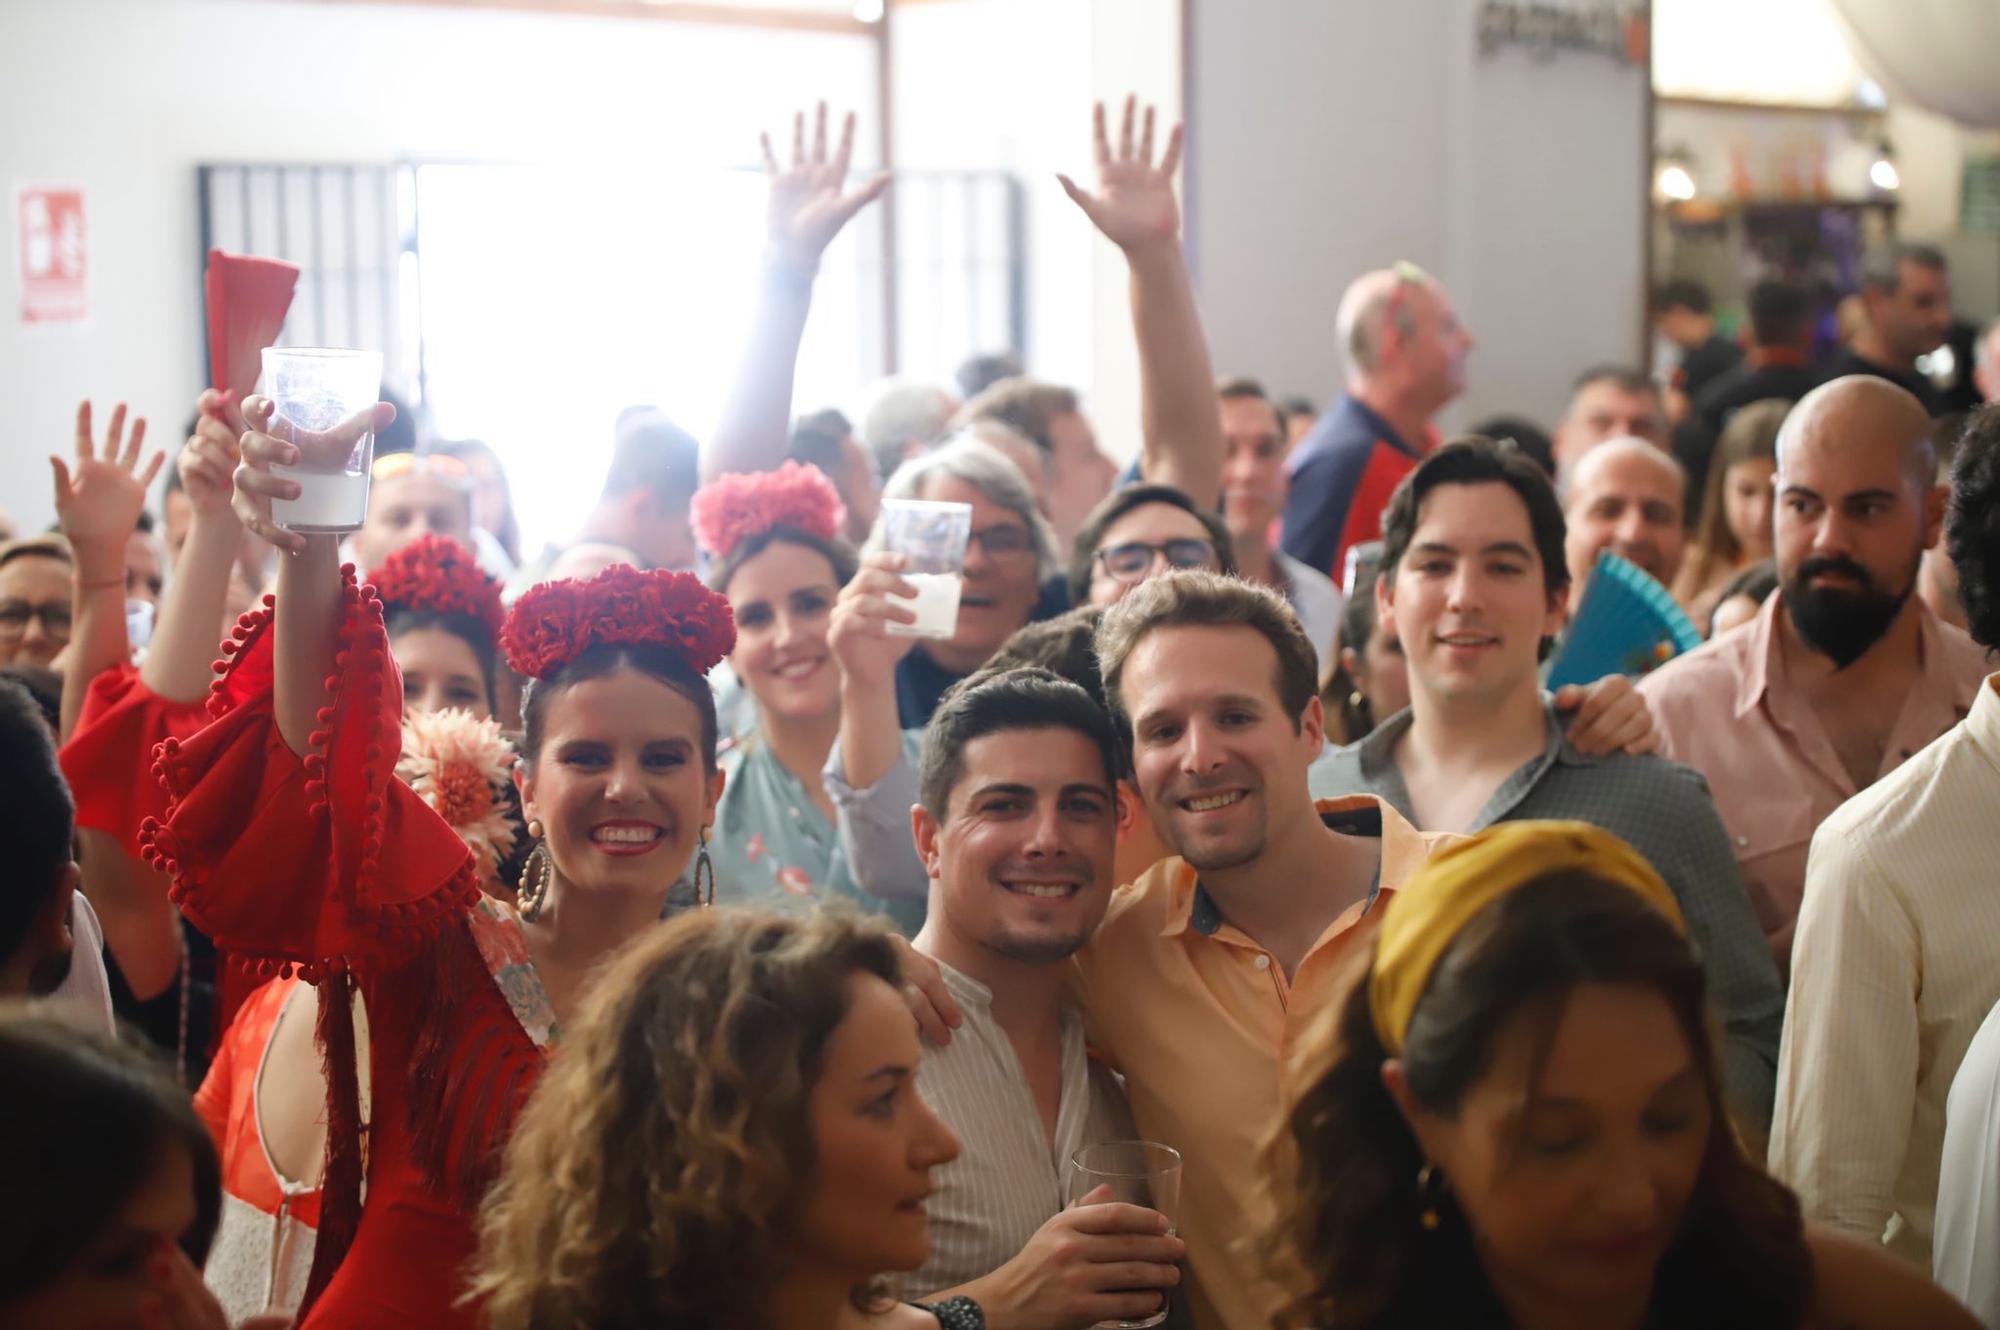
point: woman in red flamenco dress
(290, 841)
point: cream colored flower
(458, 764)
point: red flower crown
(737, 507)
(554, 622)
(442, 576)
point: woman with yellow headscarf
(1515, 1119)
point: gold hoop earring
(536, 874)
(704, 872)
(1431, 1191)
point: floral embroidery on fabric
(496, 929)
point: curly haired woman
(1515, 1120)
(731, 1136)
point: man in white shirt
(50, 945)
(1897, 957)
(1965, 1245)
(1015, 827)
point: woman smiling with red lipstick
(774, 548)
(293, 844)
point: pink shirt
(1726, 711)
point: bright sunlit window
(553, 297)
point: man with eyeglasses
(1141, 531)
(1406, 353)
(36, 581)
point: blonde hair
(649, 1180)
(1751, 435)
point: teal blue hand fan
(1627, 624)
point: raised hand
(211, 455)
(809, 199)
(256, 486)
(1134, 203)
(99, 501)
(875, 597)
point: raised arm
(1134, 207)
(98, 505)
(809, 205)
(871, 736)
(308, 612)
(177, 665)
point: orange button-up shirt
(1727, 711)
(1201, 1020)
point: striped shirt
(1008, 1178)
(1896, 965)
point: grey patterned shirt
(1664, 811)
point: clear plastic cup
(932, 538)
(1143, 1173)
(325, 400)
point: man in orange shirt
(1209, 966)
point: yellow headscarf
(1420, 922)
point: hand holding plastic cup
(1143, 1173)
(324, 402)
(932, 538)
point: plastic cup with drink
(324, 400)
(1143, 1173)
(931, 537)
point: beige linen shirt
(1726, 711)
(1897, 964)
(1009, 1176)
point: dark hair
(401, 436)
(1751, 435)
(1882, 267)
(607, 658)
(1243, 388)
(87, 1123)
(836, 552)
(41, 816)
(975, 374)
(1083, 554)
(1780, 313)
(1347, 709)
(144, 524)
(43, 685)
(1681, 293)
(1019, 699)
(1476, 460)
(1972, 524)
(1524, 434)
(1757, 581)
(1198, 599)
(1354, 1217)
(1064, 646)
(401, 619)
(1026, 406)
(650, 452)
(1298, 406)
(1626, 378)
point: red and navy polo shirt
(1342, 476)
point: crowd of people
(646, 931)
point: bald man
(1843, 675)
(1406, 353)
(1626, 496)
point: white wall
(1335, 136)
(126, 97)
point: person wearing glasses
(1406, 352)
(414, 495)
(1139, 532)
(36, 578)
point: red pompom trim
(442, 576)
(738, 507)
(554, 622)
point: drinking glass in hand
(1137, 1173)
(931, 537)
(325, 403)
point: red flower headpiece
(738, 507)
(440, 575)
(554, 622)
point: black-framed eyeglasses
(15, 614)
(1130, 562)
(1003, 542)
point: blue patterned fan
(1627, 624)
